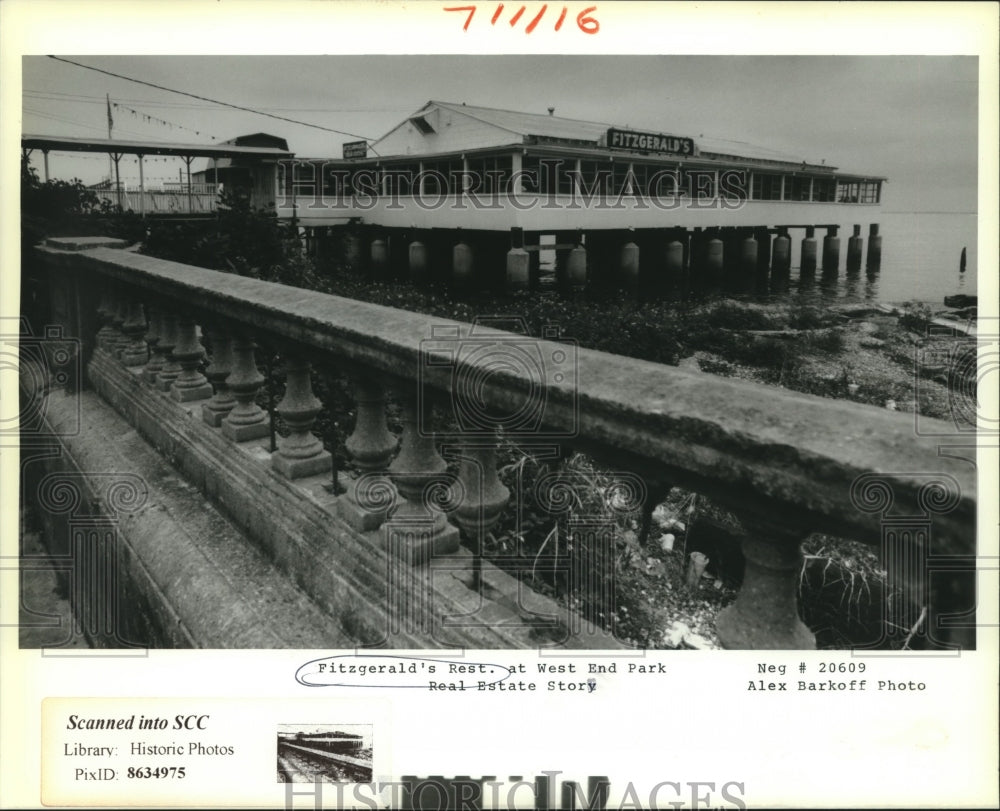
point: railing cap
(84, 243)
(772, 450)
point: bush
(731, 315)
(53, 208)
(831, 341)
(916, 316)
(241, 239)
(805, 317)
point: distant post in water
(874, 247)
(808, 262)
(854, 247)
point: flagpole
(111, 122)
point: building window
(699, 183)
(824, 189)
(642, 173)
(442, 178)
(490, 175)
(847, 192)
(399, 180)
(534, 177)
(871, 191)
(565, 175)
(594, 178)
(765, 186)
(796, 187)
(620, 186)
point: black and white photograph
(508, 369)
(555, 367)
(330, 752)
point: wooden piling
(854, 248)
(831, 250)
(874, 260)
(807, 264)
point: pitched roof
(548, 126)
(552, 126)
(572, 129)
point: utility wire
(212, 101)
(78, 98)
(75, 123)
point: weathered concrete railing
(786, 464)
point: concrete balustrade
(419, 530)
(154, 362)
(369, 498)
(765, 613)
(105, 313)
(157, 338)
(119, 314)
(190, 383)
(784, 476)
(217, 372)
(484, 496)
(169, 338)
(134, 352)
(300, 453)
(247, 420)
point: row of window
(768, 186)
(491, 176)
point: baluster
(168, 340)
(418, 529)
(765, 615)
(215, 410)
(483, 499)
(106, 312)
(151, 338)
(158, 351)
(247, 420)
(301, 452)
(119, 314)
(190, 384)
(135, 352)
(369, 498)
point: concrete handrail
(787, 464)
(754, 446)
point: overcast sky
(910, 118)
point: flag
(111, 121)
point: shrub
(831, 341)
(53, 208)
(916, 316)
(806, 317)
(732, 315)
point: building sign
(356, 149)
(649, 142)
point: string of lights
(147, 118)
(210, 100)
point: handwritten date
(584, 21)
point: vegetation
(799, 347)
(55, 208)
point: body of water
(920, 261)
(921, 255)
